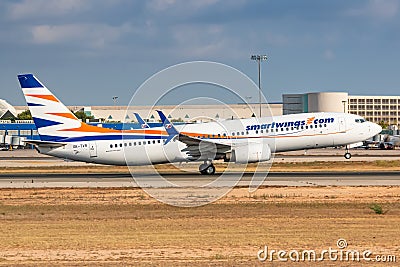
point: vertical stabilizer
(51, 117)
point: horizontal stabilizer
(45, 143)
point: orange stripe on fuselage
(146, 131)
(64, 115)
(91, 129)
(94, 129)
(47, 97)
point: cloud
(187, 5)
(329, 54)
(45, 8)
(92, 35)
(199, 41)
(377, 9)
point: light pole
(115, 98)
(344, 105)
(259, 58)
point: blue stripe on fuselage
(100, 138)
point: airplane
(239, 140)
(142, 123)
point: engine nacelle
(251, 152)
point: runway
(191, 180)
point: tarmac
(197, 180)
(30, 158)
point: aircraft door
(93, 149)
(342, 125)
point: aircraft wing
(197, 148)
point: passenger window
(247, 132)
(256, 131)
(242, 133)
(154, 141)
(120, 145)
(149, 142)
(111, 146)
(302, 127)
(139, 143)
(125, 144)
(262, 131)
(233, 134)
(159, 141)
(287, 129)
(130, 144)
(307, 127)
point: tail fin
(53, 120)
(169, 127)
(143, 124)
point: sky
(88, 51)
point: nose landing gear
(207, 168)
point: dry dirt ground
(120, 226)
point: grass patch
(377, 209)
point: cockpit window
(360, 120)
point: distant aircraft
(142, 123)
(242, 140)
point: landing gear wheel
(207, 169)
(347, 155)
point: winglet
(143, 124)
(171, 130)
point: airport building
(6, 110)
(182, 113)
(373, 108)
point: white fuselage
(281, 133)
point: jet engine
(251, 152)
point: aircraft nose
(375, 128)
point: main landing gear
(207, 168)
(347, 154)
